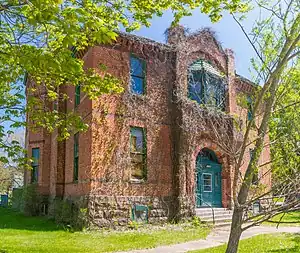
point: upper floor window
(250, 108)
(137, 75)
(138, 153)
(77, 95)
(35, 164)
(55, 105)
(76, 157)
(206, 85)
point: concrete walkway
(217, 237)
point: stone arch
(225, 175)
(193, 56)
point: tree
(276, 41)
(39, 40)
(5, 179)
(9, 177)
(285, 127)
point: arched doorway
(208, 179)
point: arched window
(206, 85)
(208, 154)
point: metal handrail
(212, 209)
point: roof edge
(242, 78)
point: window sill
(137, 153)
(138, 96)
(137, 181)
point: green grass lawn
(37, 234)
(292, 218)
(277, 243)
(288, 219)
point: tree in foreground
(39, 40)
(276, 40)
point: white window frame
(211, 181)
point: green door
(208, 183)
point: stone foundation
(186, 207)
(110, 211)
(114, 211)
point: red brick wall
(243, 89)
(40, 140)
(84, 109)
(112, 118)
(203, 46)
(104, 149)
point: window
(206, 85)
(77, 95)
(35, 165)
(55, 102)
(249, 105)
(137, 75)
(76, 157)
(138, 153)
(55, 105)
(255, 174)
(208, 154)
(139, 213)
(73, 52)
(207, 182)
(217, 175)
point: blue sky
(227, 31)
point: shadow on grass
(282, 223)
(11, 219)
(294, 238)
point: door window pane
(207, 182)
(217, 179)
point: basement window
(137, 75)
(138, 154)
(139, 213)
(206, 85)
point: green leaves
(36, 37)
(285, 125)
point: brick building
(150, 151)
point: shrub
(196, 221)
(69, 214)
(31, 200)
(133, 225)
(17, 199)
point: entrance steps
(216, 216)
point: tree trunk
(236, 231)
